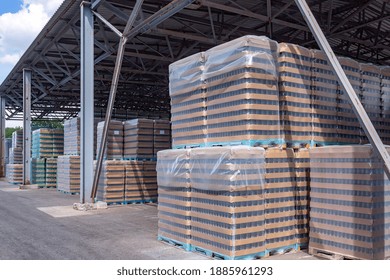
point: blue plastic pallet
(140, 201)
(175, 243)
(70, 193)
(283, 250)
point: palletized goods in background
(295, 87)
(140, 181)
(385, 95)
(15, 155)
(174, 197)
(188, 101)
(47, 143)
(349, 203)
(14, 173)
(324, 101)
(348, 128)
(111, 186)
(17, 139)
(242, 97)
(72, 137)
(114, 146)
(51, 173)
(38, 172)
(161, 136)
(68, 174)
(371, 96)
(138, 139)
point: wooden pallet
(326, 254)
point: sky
(20, 23)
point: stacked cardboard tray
(385, 93)
(295, 86)
(241, 84)
(38, 172)
(15, 155)
(188, 101)
(174, 197)
(114, 147)
(111, 186)
(141, 181)
(371, 97)
(161, 136)
(14, 173)
(138, 139)
(47, 143)
(51, 173)
(280, 199)
(68, 174)
(324, 101)
(302, 199)
(348, 128)
(349, 203)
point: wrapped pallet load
(348, 128)
(349, 203)
(242, 97)
(188, 101)
(138, 139)
(38, 172)
(161, 136)
(324, 101)
(295, 85)
(114, 146)
(385, 94)
(51, 173)
(371, 97)
(14, 173)
(111, 186)
(174, 197)
(17, 139)
(68, 174)
(227, 201)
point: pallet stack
(174, 197)
(47, 143)
(114, 147)
(280, 199)
(138, 139)
(371, 97)
(349, 203)
(227, 201)
(15, 155)
(140, 181)
(38, 172)
(111, 186)
(188, 101)
(68, 174)
(302, 198)
(348, 128)
(51, 173)
(17, 139)
(161, 136)
(241, 86)
(295, 88)
(72, 136)
(14, 173)
(385, 94)
(324, 101)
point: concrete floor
(41, 225)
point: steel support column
(2, 137)
(357, 106)
(87, 102)
(26, 126)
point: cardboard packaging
(51, 173)
(385, 96)
(161, 136)
(111, 186)
(114, 147)
(68, 174)
(140, 181)
(14, 173)
(138, 139)
(47, 143)
(349, 202)
(38, 172)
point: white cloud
(9, 59)
(18, 30)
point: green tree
(10, 130)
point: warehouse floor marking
(65, 211)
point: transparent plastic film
(173, 168)
(385, 96)
(227, 168)
(241, 85)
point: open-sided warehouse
(160, 61)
